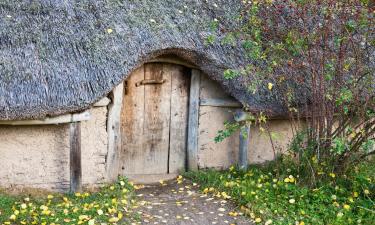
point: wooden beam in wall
(217, 102)
(67, 118)
(192, 145)
(114, 132)
(75, 157)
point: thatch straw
(62, 56)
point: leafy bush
(317, 59)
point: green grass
(274, 196)
(110, 204)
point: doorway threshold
(150, 178)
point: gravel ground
(179, 202)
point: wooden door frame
(114, 119)
(114, 132)
(114, 122)
(193, 120)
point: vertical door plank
(75, 157)
(192, 145)
(179, 117)
(157, 120)
(132, 122)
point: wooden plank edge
(67, 118)
(216, 102)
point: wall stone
(38, 156)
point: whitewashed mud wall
(38, 156)
(222, 155)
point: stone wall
(38, 156)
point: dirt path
(180, 203)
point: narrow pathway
(178, 202)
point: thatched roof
(62, 56)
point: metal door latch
(147, 82)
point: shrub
(317, 58)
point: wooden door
(154, 120)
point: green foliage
(315, 56)
(214, 25)
(368, 145)
(351, 25)
(274, 192)
(229, 39)
(345, 96)
(230, 74)
(210, 39)
(111, 204)
(314, 167)
(339, 146)
(254, 50)
(5, 206)
(229, 129)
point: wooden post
(244, 146)
(114, 132)
(192, 145)
(240, 116)
(75, 157)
